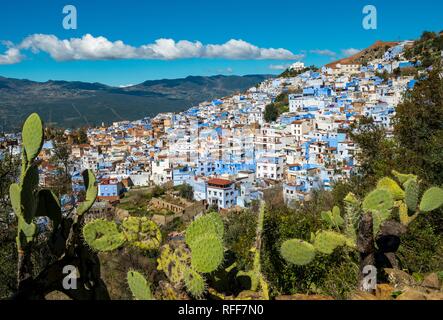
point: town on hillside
(229, 151)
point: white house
(221, 193)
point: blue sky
(318, 30)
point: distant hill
(375, 51)
(73, 104)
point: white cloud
(350, 52)
(324, 52)
(11, 56)
(99, 48)
(279, 66)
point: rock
(384, 291)
(388, 239)
(365, 238)
(303, 297)
(363, 295)
(435, 296)
(412, 295)
(400, 279)
(431, 281)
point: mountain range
(72, 104)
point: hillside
(73, 104)
(375, 51)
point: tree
(376, 155)
(62, 158)
(418, 128)
(271, 113)
(186, 191)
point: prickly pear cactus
(393, 188)
(411, 194)
(142, 233)
(102, 235)
(174, 262)
(298, 252)
(333, 218)
(210, 223)
(432, 199)
(195, 283)
(32, 136)
(139, 286)
(403, 178)
(207, 253)
(91, 192)
(380, 203)
(327, 241)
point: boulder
(363, 295)
(384, 291)
(432, 281)
(400, 279)
(412, 295)
(434, 296)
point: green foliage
(102, 235)
(271, 113)
(422, 246)
(298, 252)
(418, 129)
(240, 236)
(140, 288)
(185, 191)
(377, 155)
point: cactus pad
(173, 262)
(297, 252)
(139, 286)
(392, 186)
(403, 178)
(102, 235)
(14, 195)
(431, 200)
(411, 194)
(194, 282)
(208, 224)
(207, 253)
(379, 199)
(91, 192)
(333, 218)
(327, 241)
(32, 135)
(142, 233)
